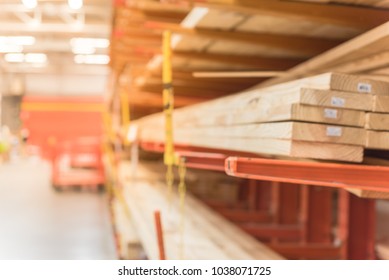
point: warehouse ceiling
(267, 37)
(55, 37)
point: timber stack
(331, 116)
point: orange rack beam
(194, 158)
(366, 177)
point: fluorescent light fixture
(75, 4)
(79, 49)
(14, 57)
(17, 40)
(90, 42)
(30, 4)
(38, 58)
(10, 49)
(194, 17)
(91, 59)
(33, 58)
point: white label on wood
(335, 131)
(337, 101)
(330, 113)
(363, 87)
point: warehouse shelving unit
(301, 209)
(270, 187)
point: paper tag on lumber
(364, 87)
(331, 113)
(337, 102)
(334, 131)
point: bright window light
(90, 42)
(38, 58)
(14, 57)
(91, 59)
(10, 49)
(75, 4)
(17, 40)
(30, 4)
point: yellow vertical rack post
(125, 113)
(170, 157)
(168, 106)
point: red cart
(78, 165)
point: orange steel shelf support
(374, 178)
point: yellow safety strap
(125, 114)
(168, 107)
(182, 193)
(170, 157)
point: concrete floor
(38, 223)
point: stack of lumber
(367, 55)
(206, 234)
(320, 117)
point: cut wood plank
(206, 234)
(277, 147)
(369, 194)
(298, 44)
(341, 82)
(338, 99)
(376, 121)
(258, 62)
(152, 99)
(328, 81)
(361, 17)
(380, 104)
(383, 250)
(372, 194)
(364, 64)
(377, 140)
(369, 43)
(240, 74)
(270, 113)
(282, 130)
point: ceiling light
(91, 59)
(83, 50)
(14, 57)
(30, 4)
(34, 58)
(17, 40)
(75, 4)
(10, 49)
(39, 58)
(91, 42)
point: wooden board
(341, 82)
(376, 121)
(269, 112)
(206, 234)
(380, 104)
(383, 249)
(369, 194)
(278, 147)
(377, 140)
(341, 99)
(281, 130)
(369, 43)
